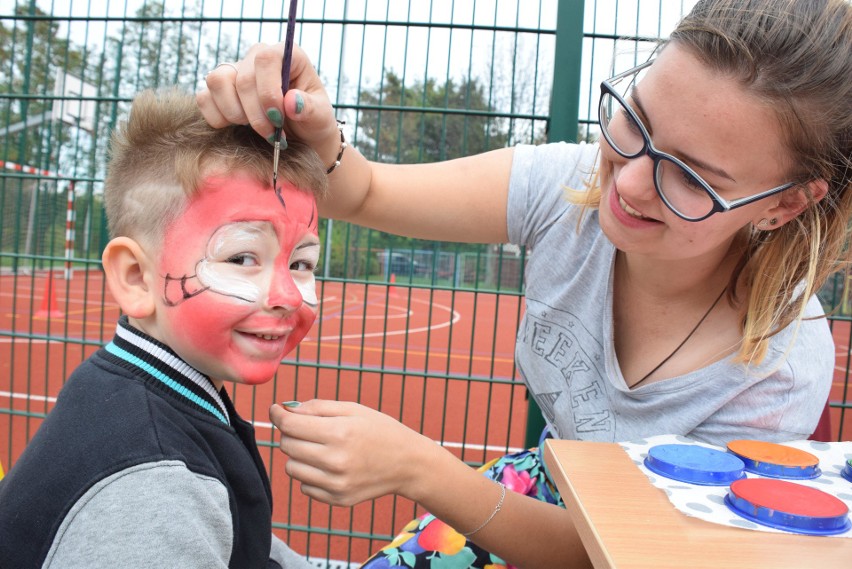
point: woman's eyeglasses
(680, 188)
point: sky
(493, 41)
(357, 53)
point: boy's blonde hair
(160, 155)
(796, 55)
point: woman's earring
(767, 223)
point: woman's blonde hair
(796, 55)
(160, 155)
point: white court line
(265, 425)
(27, 341)
(27, 396)
(455, 313)
(456, 316)
(447, 444)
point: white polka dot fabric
(708, 502)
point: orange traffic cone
(49, 307)
(391, 288)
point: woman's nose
(635, 178)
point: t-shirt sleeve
(538, 182)
(151, 515)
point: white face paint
(241, 262)
(230, 249)
(308, 290)
(307, 257)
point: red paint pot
(788, 506)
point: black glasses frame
(720, 204)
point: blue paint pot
(695, 464)
(847, 471)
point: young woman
(672, 276)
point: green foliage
(149, 50)
(31, 52)
(407, 123)
(423, 121)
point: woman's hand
(344, 453)
(249, 92)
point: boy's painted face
(237, 289)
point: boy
(143, 462)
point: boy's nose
(283, 292)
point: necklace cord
(688, 336)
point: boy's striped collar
(158, 361)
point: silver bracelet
(343, 146)
(494, 513)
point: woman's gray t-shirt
(565, 350)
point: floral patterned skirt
(429, 543)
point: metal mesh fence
(423, 331)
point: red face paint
(236, 277)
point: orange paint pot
(774, 460)
(788, 506)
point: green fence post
(567, 68)
(564, 117)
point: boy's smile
(236, 283)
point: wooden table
(624, 521)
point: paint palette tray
(694, 464)
(775, 461)
(788, 506)
(691, 490)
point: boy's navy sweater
(141, 463)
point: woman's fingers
(219, 103)
(249, 92)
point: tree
(426, 121)
(31, 52)
(149, 50)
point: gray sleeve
(539, 179)
(286, 557)
(151, 515)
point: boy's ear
(795, 200)
(131, 276)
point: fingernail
(291, 404)
(283, 141)
(271, 138)
(274, 116)
(300, 103)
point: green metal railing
(415, 81)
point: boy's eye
(243, 259)
(301, 266)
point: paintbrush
(285, 85)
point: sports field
(452, 348)
(458, 387)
